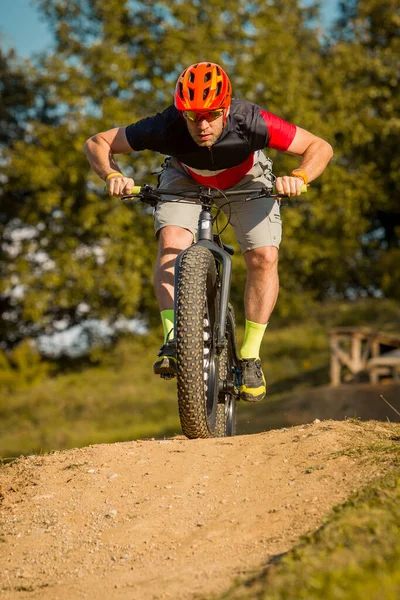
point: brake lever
(265, 192)
(147, 195)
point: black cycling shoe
(253, 387)
(165, 365)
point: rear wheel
(228, 395)
(196, 331)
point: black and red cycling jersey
(248, 129)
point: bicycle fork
(205, 238)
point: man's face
(205, 130)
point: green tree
(345, 242)
(362, 111)
(16, 98)
(70, 251)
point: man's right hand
(118, 186)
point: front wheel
(197, 312)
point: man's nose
(202, 123)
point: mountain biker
(215, 140)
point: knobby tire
(196, 321)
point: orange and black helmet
(203, 86)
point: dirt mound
(172, 518)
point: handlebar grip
(136, 190)
(304, 189)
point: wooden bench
(387, 364)
(356, 348)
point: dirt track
(174, 518)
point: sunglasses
(209, 116)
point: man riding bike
(215, 140)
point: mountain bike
(208, 373)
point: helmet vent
(191, 77)
(205, 93)
(191, 93)
(207, 77)
(180, 91)
(219, 88)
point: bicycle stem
(205, 226)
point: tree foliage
(69, 252)
(361, 87)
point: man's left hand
(289, 185)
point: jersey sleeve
(147, 134)
(280, 132)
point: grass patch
(354, 556)
(385, 452)
(120, 399)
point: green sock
(253, 335)
(168, 322)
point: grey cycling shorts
(256, 223)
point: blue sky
(23, 27)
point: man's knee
(172, 238)
(262, 259)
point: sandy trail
(173, 518)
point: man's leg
(261, 293)
(262, 283)
(171, 241)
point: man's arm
(100, 150)
(315, 154)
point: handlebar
(152, 196)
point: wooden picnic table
(362, 349)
